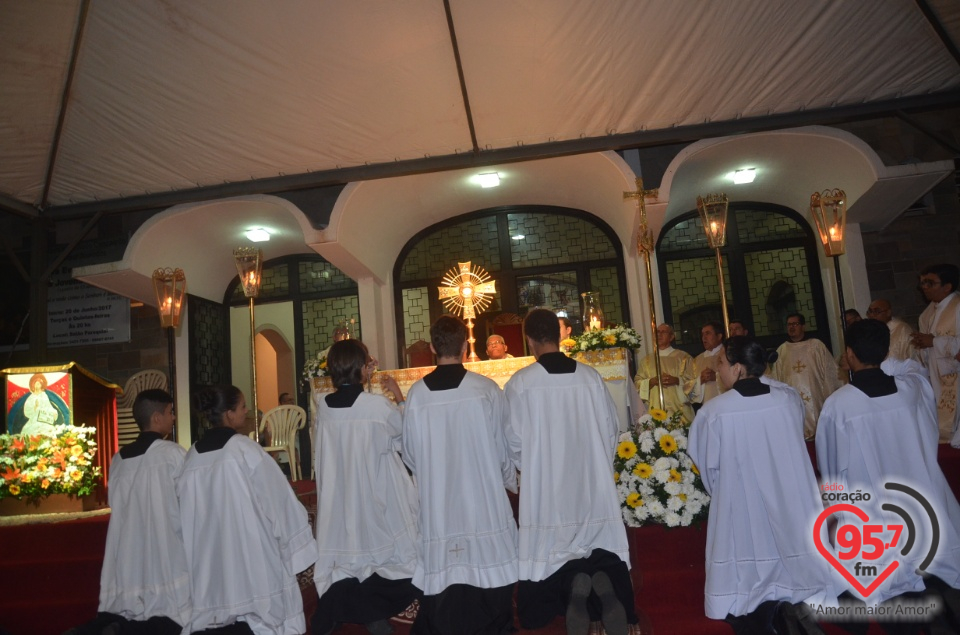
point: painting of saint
(38, 410)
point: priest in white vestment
(939, 343)
(706, 385)
(367, 505)
(245, 533)
(453, 442)
(901, 335)
(749, 448)
(145, 578)
(882, 429)
(562, 429)
(676, 368)
(807, 366)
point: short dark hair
(213, 401)
(799, 317)
(542, 326)
(852, 312)
(345, 362)
(447, 334)
(869, 340)
(565, 320)
(747, 352)
(716, 326)
(948, 274)
(147, 403)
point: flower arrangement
(316, 367)
(37, 466)
(656, 479)
(620, 336)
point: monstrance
(466, 293)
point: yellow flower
(675, 477)
(658, 415)
(26, 478)
(634, 500)
(610, 339)
(77, 475)
(45, 483)
(14, 489)
(668, 444)
(643, 470)
(616, 477)
(682, 497)
(76, 450)
(568, 343)
(695, 470)
(626, 449)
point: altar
(613, 365)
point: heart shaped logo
(828, 555)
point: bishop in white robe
(880, 429)
(749, 448)
(246, 536)
(807, 366)
(939, 343)
(367, 511)
(677, 372)
(454, 444)
(562, 429)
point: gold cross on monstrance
(466, 290)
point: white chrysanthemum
(646, 446)
(655, 508)
(688, 489)
(641, 513)
(672, 488)
(629, 517)
(663, 463)
(694, 506)
(674, 504)
(672, 519)
(686, 518)
(626, 436)
(662, 476)
(659, 432)
(681, 441)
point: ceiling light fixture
(489, 179)
(745, 175)
(257, 235)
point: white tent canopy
(111, 101)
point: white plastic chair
(144, 380)
(284, 422)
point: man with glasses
(901, 335)
(806, 365)
(939, 343)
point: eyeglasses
(794, 324)
(876, 311)
(926, 284)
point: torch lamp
(713, 216)
(250, 269)
(829, 211)
(170, 286)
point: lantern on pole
(249, 262)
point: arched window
(540, 256)
(770, 270)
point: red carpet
(51, 574)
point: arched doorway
(770, 270)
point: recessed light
(257, 235)
(745, 175)
(488, 179)
(518, 237)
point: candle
(594, 323)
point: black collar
(344, 397)
(751, 387)
(873, 382)
(215, 439)
(445, 377)
(141, 445)
(557, 363)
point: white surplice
(808, 367)
(145, 571)
(246, 536)
(765, 501)
(699, 391)
(367, 504)
(453, 443)
(864, 443)
(942, 320)
(672, 362)
(562, 429)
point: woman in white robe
(367, 504)
(245, 533)
(748, 444)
